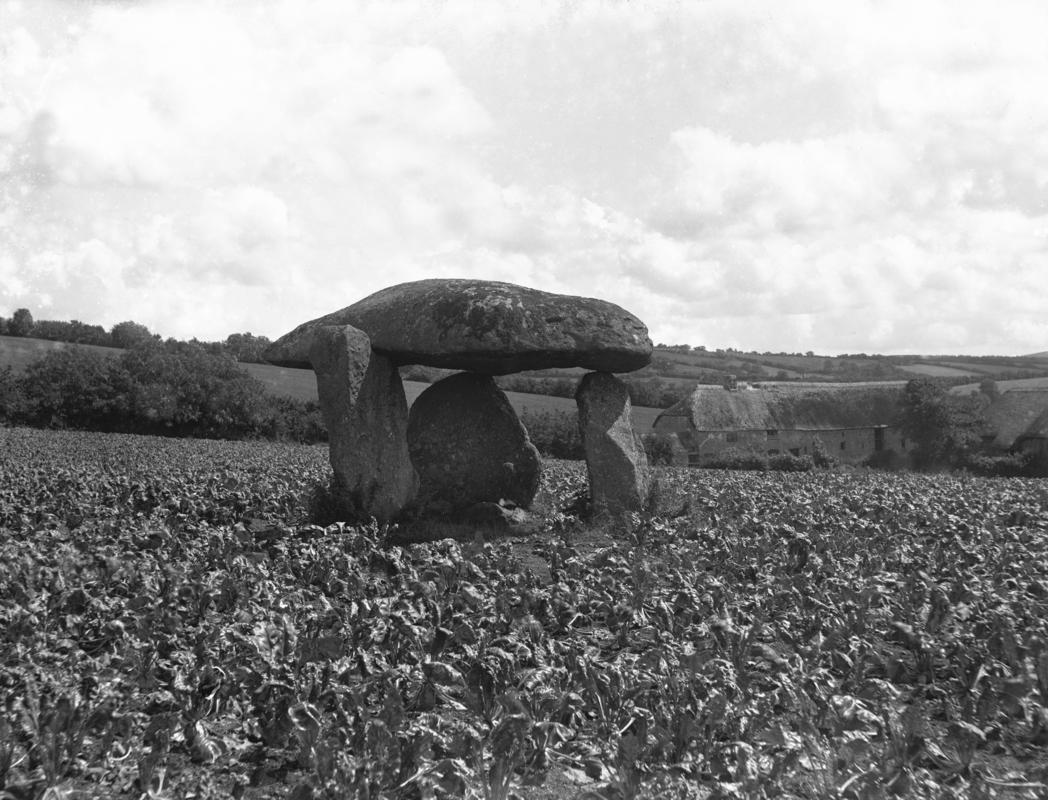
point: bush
(292, 420)
(787, 462)
(661, 448)
(1008, 465)
(10, 396)
(181, 389)
(555, 434)
(821, 457)
(76, 388)
(731, 458)
(887, 460)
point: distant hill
(705, 366)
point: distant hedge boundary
(159, 388)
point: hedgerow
(166, 388)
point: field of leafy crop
(172, 627)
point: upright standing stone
(362, 399)
(469, 446)
(617, 466)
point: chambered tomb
(462, 443)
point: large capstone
(483, 326)
(468, 446)
(363, 403)
(615, 461)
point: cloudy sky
(836, 176)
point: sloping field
(993, 368)
(936, 370)
(1005, 386)
(301, 384)
(18, 352)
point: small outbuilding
(850, 421)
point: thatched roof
(1039, 429)
(792, 406)
(1018, 414)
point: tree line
(162, 388)
(243, 347)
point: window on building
(772, 432)
(796, 451)
(732, 436)
(844, 445)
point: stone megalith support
(469, 446)
(615, 461)
(362, 399)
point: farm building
(1035, 438)
(851, 421)
(1018, 420)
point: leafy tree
(21, 324)
(943, 426)
(129, 334)
(246, 347)
(988, 387)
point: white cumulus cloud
(867, 176)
